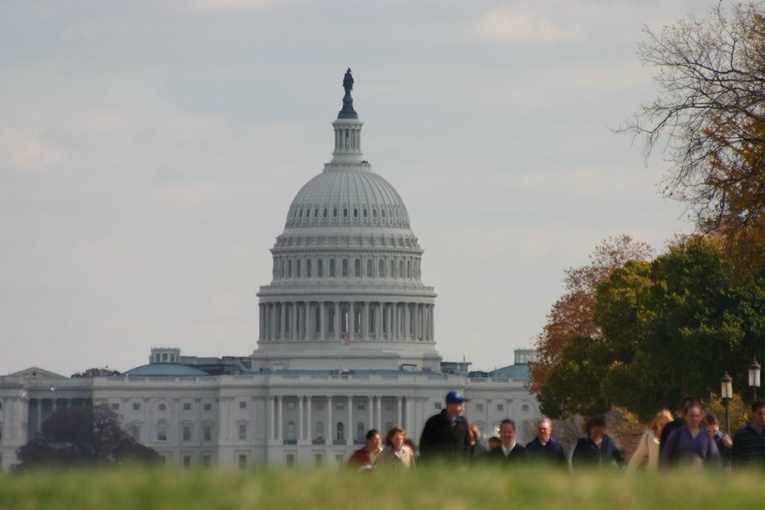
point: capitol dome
(343, 197)
(346, 290)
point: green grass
(453, 489)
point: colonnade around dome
(305, 321)
(390, 267)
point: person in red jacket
(365, 458)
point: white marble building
(346, 344)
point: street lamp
(754, 376)
(726, 392)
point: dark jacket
(517, 455)
(552, 452)
(587, 453)
(668, 429)
(748, 448)
(443, 439)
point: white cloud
(26, 150)
(507, 25)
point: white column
(330, 432)
(274, 321)
(379, 415)
(272, 418)
(322, 321)
(301, 425)
(309, 424)
(349, 429)
(378, 321)
(370, 423)
(408, 414)
(283, 321)
(395, 318)
(336, 321)
(399, 414)
(294, 328)
(405, 321)
(305, 313)
(279, 417)
(365, 322)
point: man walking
(749, 442)
(544, 447)
(445, 435)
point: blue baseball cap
(455, 396)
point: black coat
(517, 455)
(442, 440)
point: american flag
(345, 340)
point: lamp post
(754, 376)
(726, 392)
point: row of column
(330, 320)
(305, 424)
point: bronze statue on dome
(348, 82)
(347, 112)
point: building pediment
(36, 372)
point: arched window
(392, 269)
(332, 267)
(345, 267)
(289, 269)
(381, 269)
(297, 268)
(360, 431)
(320, 268)
(370, 268)
(340, 431)
(357, 268)
(308, 268)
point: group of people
(691, 440)
(685, 440)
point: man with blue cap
(446, 435)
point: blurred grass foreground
(484, 488)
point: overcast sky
(149, 152)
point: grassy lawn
(456, 489)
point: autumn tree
(571, 316)
(669, 328)
(709, 113)
(83, 436)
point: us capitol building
(346, 344)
